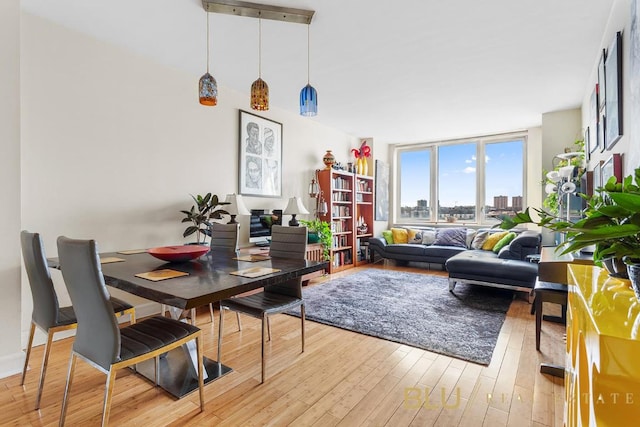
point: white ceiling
(407, 71)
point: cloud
(486, 159)
(469, 170)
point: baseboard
(11, 364)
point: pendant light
(308, 95)
(208, 86)
(259, 88)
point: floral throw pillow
(414, 236)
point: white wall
(560, 129)
(629, 144)
(113, 144)
(10, 355)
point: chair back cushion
(98, 336)
(224, 237)
(288, 242)
(45, 300)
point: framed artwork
(260, 159)
(601, 132)
(597, 175)
(612, 167)
(613, 95)
(587, 142)
(592, 138)
(382, 191)
(601, 81)
(633, 126)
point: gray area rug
(413, 309)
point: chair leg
(108, 394)
(211, 312)
(45, 362)
(302, 321)
(67, 388)
(32, 332)
(538, 303)
(193, 316)
(156, 369)
(132, 316)
(264, 326)
(163, 310)
(200, 371)
(238, 319)
(269, 328)
(220, 329)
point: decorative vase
(312, 237)
(633, 271)
(365, 166)
(615, 267)
(329, 159)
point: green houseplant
(323, 230)
(611, 223)
(199, 215)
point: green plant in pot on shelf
(200, 214)
(610, 223)
(323, 231)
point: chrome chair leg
(211, 312)
(45, 362)
(238, 319)
(220, 329)
(32, 332)
(302, 315)
(108, 395)
(269, 328)
(264, 326)
(67, 388)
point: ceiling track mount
(255, 10)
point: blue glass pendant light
(208, 87)
(308, 95)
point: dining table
(207, 279)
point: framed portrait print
(597, 176)
(613, 95)
(260, 159)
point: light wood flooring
(342, 379)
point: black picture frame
(592, 138)
(602, 125)
(601, 81)
(613, 94)
(260, 156)
(597, 175)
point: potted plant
(323, 232)
(574, 158)
(611, 223)
(199, 216)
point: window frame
(433, 146)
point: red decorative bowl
(179, 253)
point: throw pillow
(479, 240)
(493, 239)
(471, 233)
(400, 235)
(388, 237)
(504, 241)
(452, 237)
(414, 236)
(428, 237)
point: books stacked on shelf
(363, 185)
(342, 258)
(344, 211)
(340, 226)
(340, 240)
(341, 197)
(340, 183)
(362, 249)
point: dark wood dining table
(209, 280)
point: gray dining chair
(99, 341)
(47, 314)
(286, 242)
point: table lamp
(294, 208)
(235, 207)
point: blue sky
(458, 163)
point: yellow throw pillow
(414, 236)
(492, 240)
(400, 235)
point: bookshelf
(349, 202)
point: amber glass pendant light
(259, 88)
(308, 95)
(208, 86)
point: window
(446, 181)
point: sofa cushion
(388, 237)
(451, 237)
(400, 235)
(479, 239)
(504, 242)
(428, 237)
(405, 249)
(492, 240)
(471, 234)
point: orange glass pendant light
(259, 88)
(208, 87)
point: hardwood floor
(342, 379)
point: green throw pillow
(504, 242)
(388, 236)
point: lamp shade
(308, 101)
(553, 176)
(566, 171)
(236, 205)
(295, 207)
